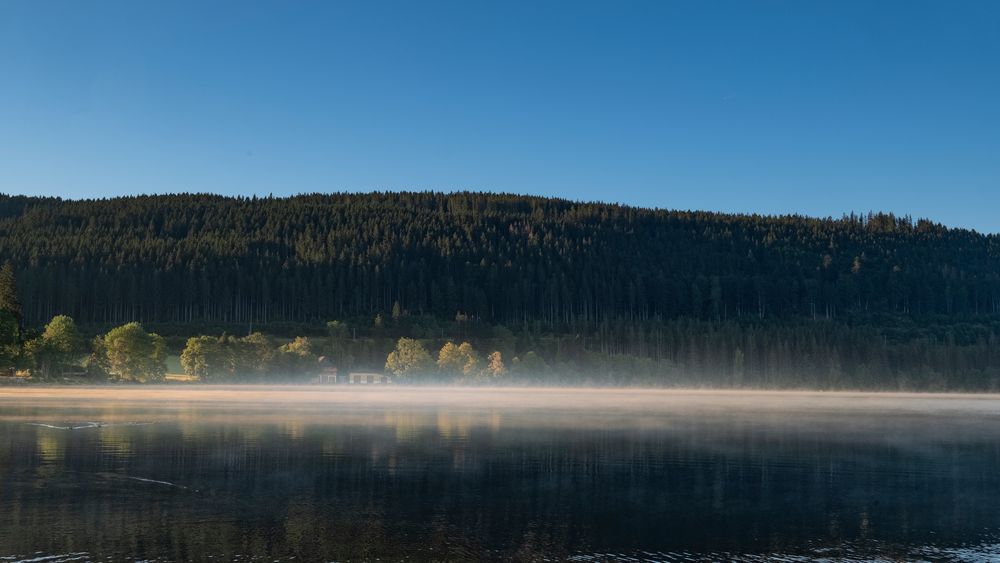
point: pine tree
(8, 292)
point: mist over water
(346, 473)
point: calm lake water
(311, 474)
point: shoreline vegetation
(128, 354)
(819, 357)
(490, 289)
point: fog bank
(632, 401)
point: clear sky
(815, 107)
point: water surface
(312, 474)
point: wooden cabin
(327, 372)
(328, 375)
(368, 378)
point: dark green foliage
(295, 359)
(8, 291)
(568, 292)
(57, 350)
(132, 354)
(253, 357)
(10, 342)
(499, 258)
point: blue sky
(814, 107)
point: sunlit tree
(408, 359)
(205, 358)
(134, 354)
(494, 365)
(228, 358)
(458, 361)
(57, 348)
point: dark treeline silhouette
(587, 292)
(501, 258)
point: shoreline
(555, 399)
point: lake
(290, 473)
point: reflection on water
(360, 480)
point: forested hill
(499, 258)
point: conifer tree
(8, 291)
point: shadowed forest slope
(497, 258)
(578, 293)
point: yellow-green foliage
(408, 359)
(458, 361)
(134, 355)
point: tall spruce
(8, 291)
(497, 258)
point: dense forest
(502, 258)
(866, 301)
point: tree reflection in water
(450, 483)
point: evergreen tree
(8, 292)
(598, 292)
(504, 259)
(10, 342)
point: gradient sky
(814, 107)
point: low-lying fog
(896, 417)
(520, 398)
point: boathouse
(368, 378)
(327, 372)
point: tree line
(504, 259)
(690, 354)
(130, 353)
(565, 292)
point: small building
(368, 378)
(329, 375)
(327, 372)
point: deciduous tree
(458, 361)
(134, 354)
(494, 366)
(409, 359)
(57, 348)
